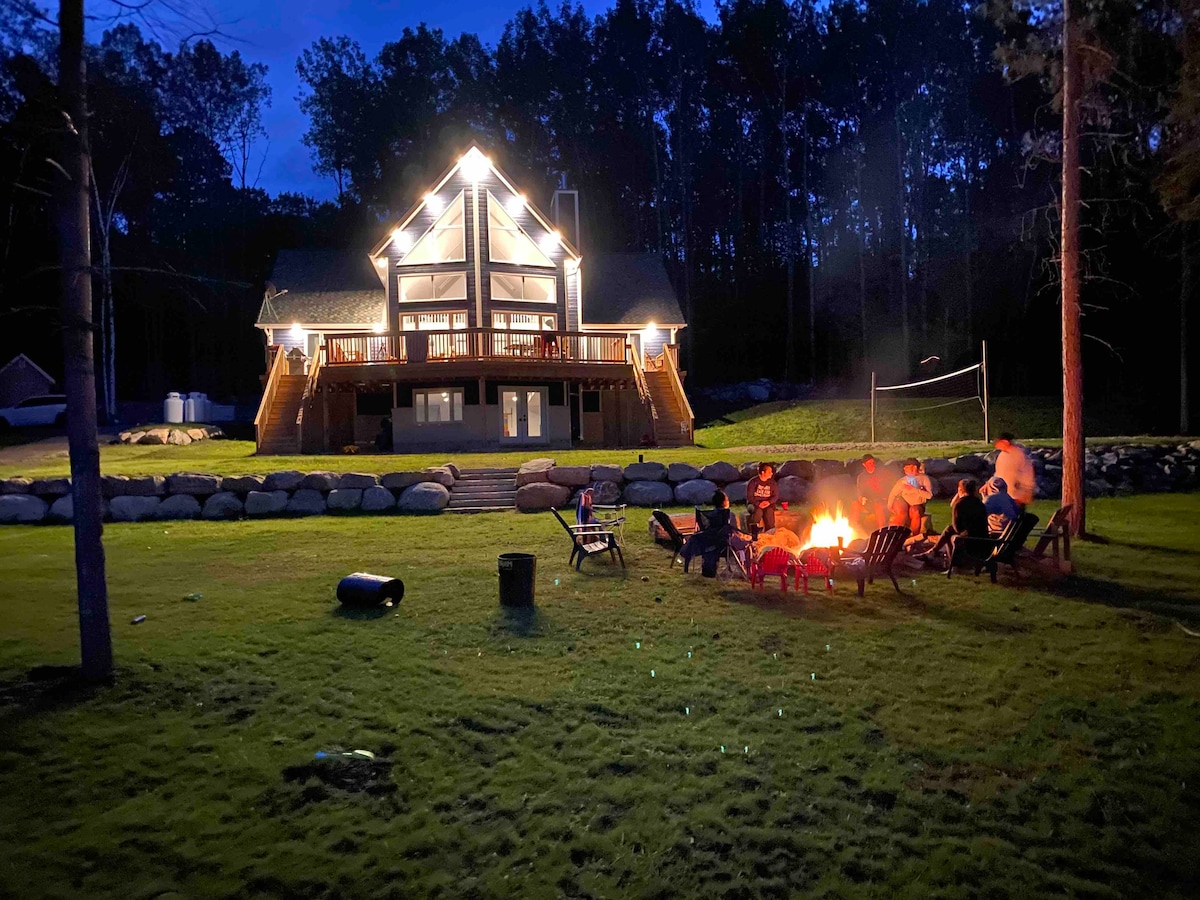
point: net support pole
(872, 409)
(987, 439)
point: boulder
(793, 488)
(398, 481)
(537, 496)
(439, 474)
(695, 492)
(196, 485)
(648, 493)
(283, 481)
(306, 502)
(15, 486)
(242, 484)
(829, 467)
(736, 492)
(971, 464)
(133, 508)
(155, 436)
(378, 499)
(22, 508)
(357, 481)
(570, 476)
(646, 471)
(178, 438)
(606, 493)
(797, 468)
(113, 485)
(135, 437)
(50, 487)
(320, 481)
(428, 496)
(935, 467)
(342, 499)
(62, 509)
(225, 505)
(197, 434)
(679, 472)
(759, 393)
(607, 472)
(266, 503)
(146, 486)
(719, 473)
(748, 470)
(178, 506)
(534, 470)
(453, 470)
(945, 485)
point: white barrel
(203, 407)
(173, 408)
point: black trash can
(517, 572)
(367, 591)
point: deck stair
(483, 490)
(279, 437)
(668, 412)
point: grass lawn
(1016, 740)
(828, 428)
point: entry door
(523, 415)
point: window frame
(401, 278)
(461, 203)
(457, 401)
(509, 313)
(523, 276)
(494, 205)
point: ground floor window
(438, 405)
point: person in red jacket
(762, 493)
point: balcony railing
(465, 344)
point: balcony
(466, 352)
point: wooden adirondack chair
(588, 540)
(675, 538)
(989, 553)
(1057, 530)
(882, 547)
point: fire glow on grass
(827, 528)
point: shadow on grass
(1121, 596)
(44, 689)
(359, 613)
(521, 621)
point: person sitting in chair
(872, 498)
(967, 517)
(762, 493)
(718, 529)
(907, 499)
(1001, 507)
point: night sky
(275, 33)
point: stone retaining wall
(1110, 470)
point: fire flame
(826, 529)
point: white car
(49, 409)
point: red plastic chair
(775, 561)
(816, 562)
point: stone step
(478, 509)
(505, 497)
(467, 473)
(473, 488)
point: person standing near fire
(872, 495)
(762, 493)
(1015, 468)
(907, 499)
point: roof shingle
(628, 289)
(324, 287)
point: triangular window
(507, 243)
(445, 242)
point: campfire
(829, 530)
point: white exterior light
(403, 241)
(515, 205)
(297, 331)
(649, 333)
(434, 202)
(377, 328)
(549, 242)
(474, 165)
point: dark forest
(837, 188)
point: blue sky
(276, 32)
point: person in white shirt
(1014, 466)
(907, 499)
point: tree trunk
(862, 250)
(79, 377)
(901, 209)
(1185, 295)
(808, 264)
(1072, 350)
(789, 355)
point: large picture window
(507, 243)
(445, 242)
(442, 321)
(522, 322)
(532, 288)
(435, 406)
(423, 288)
